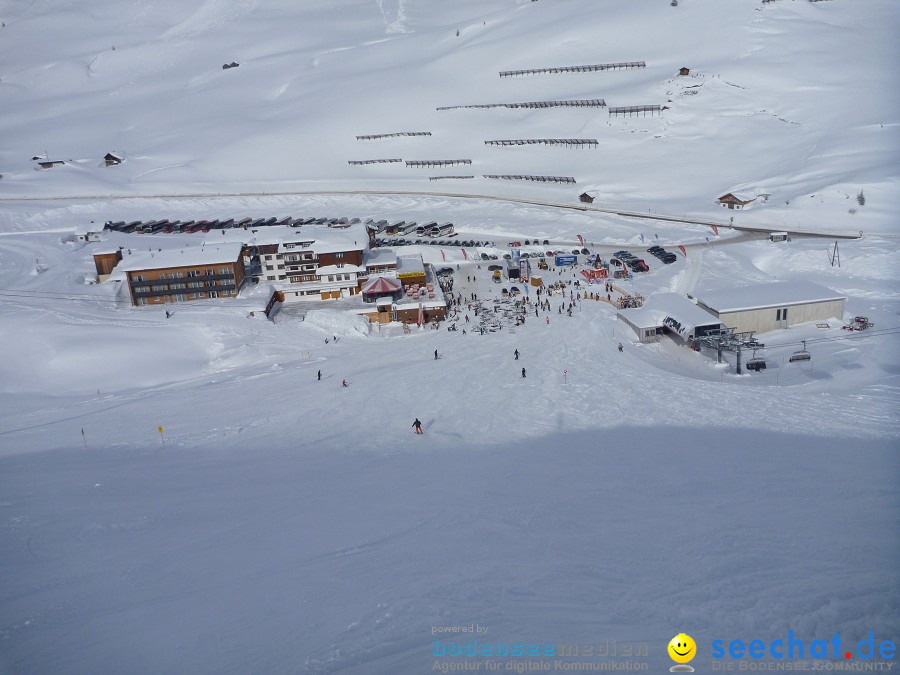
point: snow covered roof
(185, 257)
(381, 256)
(672, 310)
(318, 238)
(732, 197)
(642, 317)
(334, 269)
(381, 302)
(761, 296)
(410, 264)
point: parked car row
(528, 242)
(192, 226)
(667, 257)
(634, 263)
(432, 242)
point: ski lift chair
(801, 355)
(756, 363)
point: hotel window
(339, 255)
(214, 294)
(138, 277)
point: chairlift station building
(669, 314)
(764, 307)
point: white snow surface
(282, 524)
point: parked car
(655, 249)
(507, 256)
(546, 242)
(584, 251)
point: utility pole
(835, 256)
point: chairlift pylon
(801, 355)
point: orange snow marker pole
(161, 437)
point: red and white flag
(443, 257)
(465, 255)
(683, 251)
(581, 239)
(715, 229)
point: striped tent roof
(381, 285)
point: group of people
(541, 304)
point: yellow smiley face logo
(682, 648)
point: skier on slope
(517, 354)
(319, 376)
(523, 372)
(417, 425)
(435, 355)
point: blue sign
(563, 260)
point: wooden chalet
(585, 198)
(50, 163)
(111, 159)
(732, 201)
(684, 71)
(106, 262)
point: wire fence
(574, 103)
(565, 142)
(574, 69)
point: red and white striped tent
(381, 286)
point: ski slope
(288, 525)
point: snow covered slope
(791, 99)
(284, 524)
